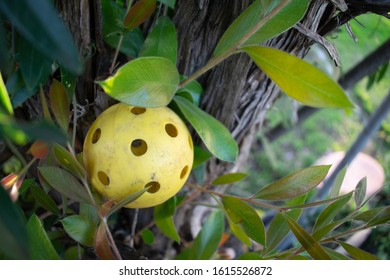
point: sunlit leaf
(214, 134)
(5, 101)
(64, 182)
(163, 216)
(14, 242)
(68, 161)
(60, 104)
(307, 241)
(38, 22)
(360, 191)
(299, 79)
(229, 178)
(80, 229)
(328, 214)
(334, 192)
(161, 41)
(140, 12)
(40, 245)
(356, 253)
(294, 184)
(144, 82)
(243, 214)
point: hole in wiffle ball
(153, 187)
(171, 130)
(139, 147)
(184, 172)
(96, 136)
(103, 178)
(138, 110)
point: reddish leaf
(60, 104)
(39, 149)
(9, 180)
(140, 12)
(102, 245)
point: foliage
(45, 51)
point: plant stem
(74, 100)
(236, 47)
(15, 151)
(118, 47)
(111, 240)
(133, 226)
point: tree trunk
(236, 92)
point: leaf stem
(111, 240)
(236, 47)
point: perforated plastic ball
(129, 148)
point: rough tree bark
(236, 91)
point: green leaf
(35, 67)
(229, 178)
(283, 20)
(356, 253)
(368, 215)
(80, 229)
(69, 80)
(250, 256)
(5, 101)
(14, 243)
(200, 156)
(382, 218)
(193, 88)
(102, 245)
(112, 15)
(161, 41)
(253, 20)
(144, 82)
(38, 22)
(320, 233)
(68, 161)
(360, 191)
(308, 242)
(39, 243)
(299, 79)
(328, 214)
(243, 214)
(42, 130)
(334, 192)
(163, 216)
(335, 255)
(60, 104)
(17, 89)
(147, 236)
(140, 12)
(90, 213)
(214, 134)
(170, 3)
(278, 228)
(206, 242)
(44, 200)
(294, 184)
(64, 182)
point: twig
(133, 226)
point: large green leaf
(278, 228)
(294, 184)
(112, 15)
(64, 182)
(161, 41)
(254, 21)
(44, 200)
(356, 253)
(80, 229)
(40, 245)
(243, 214)
(14, 243)
(214, 134)
(328, 214)
(163, 216)
(38, 22)
(68, 161)
(144, 82)
(299, 79)
(308, 242)
(35, 67)
(207, 240)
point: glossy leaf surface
(163, 216)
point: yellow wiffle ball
(129, 148)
